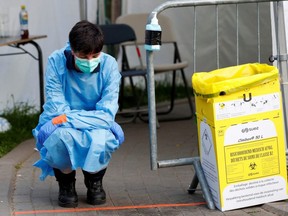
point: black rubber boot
(95, 192)
(67, 196)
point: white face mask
(85, 65)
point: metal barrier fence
(280, 56)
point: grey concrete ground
(131, 187)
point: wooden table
(17, 42)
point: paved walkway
(131, 187)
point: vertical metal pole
(101, 12)
(258, 33)
(195, 41)
(281, 51)
(152, 110)
(83, 9)
(217, 37)
(237, 34)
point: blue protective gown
(90, 102)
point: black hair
(86, 38)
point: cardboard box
(242, 146)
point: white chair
(171, 65)
(125, 35)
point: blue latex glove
(45, 131)
(118, 132)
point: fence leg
(203, 184)
(193, 185)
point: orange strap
(59, 119)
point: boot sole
(96, 202)
(68, 205)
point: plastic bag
(232, 79)
(4, 125)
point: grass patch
(23, 119)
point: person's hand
(45, 131)
(118, 132)
(49, 127)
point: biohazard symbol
(252, 166)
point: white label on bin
(254, 192)
(252, 165)
(239, 107)
(249, 132)
(208, 161)
(251, 151)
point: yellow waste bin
(241, 134)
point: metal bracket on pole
(283, 57)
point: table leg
(41, 76)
